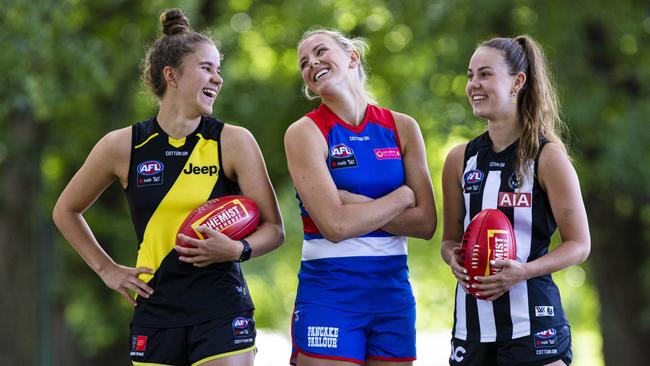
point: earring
(514, 98)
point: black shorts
(194, 344)
(537, 349)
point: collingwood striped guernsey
(489, 181)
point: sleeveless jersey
(369, 273)
(168, 178)
(489, 181)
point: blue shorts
(540, 348)
(319, 331)
(195, 344)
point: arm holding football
(453, 210)
(243, 163)
(560, 181)
(107, 160)
(336, 220)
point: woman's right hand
(457, 268)
(124, 279)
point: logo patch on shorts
(322, 337)
(546, 338)
(544, 311)
(243, 329)
(138, 345)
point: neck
(503, 133)
(348, 104)
(174, 121)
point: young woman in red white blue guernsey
(193, 306)
(363, 185)
(519, 166)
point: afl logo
(240, 323)
(341, 151)
(150, 167)
(473, 176)
(548, 333)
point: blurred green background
(70, 73)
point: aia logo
(511, 199)
(546, 334)
(150, 167)
(240, 323)
(341, 151)
(473, 176)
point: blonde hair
(348, 45)
(538, 104)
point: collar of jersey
(338, 120)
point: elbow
(333, 232)
(585, 251)
(280, 235)
(427, 229)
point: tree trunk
(617, 259)
(20, 177)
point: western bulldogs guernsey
(369, 273)
(168, 178)
(489, 181)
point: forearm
(446, 249)
(354, 219)
(266, 238)
(415, 222)
(76, 231)
(565, 255)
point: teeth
(479, 97)
(320, 74)
(210, 92)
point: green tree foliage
(70, 72)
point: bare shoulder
(457, 153)
(404, 121)
(116, 144)
(551, 154)
(236, 135)
(301, 128)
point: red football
(488, 236)
(234, 216)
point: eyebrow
(480, 68)
(313, 49)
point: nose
(313, 61)
(216, 78)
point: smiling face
(199, 81)
(324, 63)
(490, 85)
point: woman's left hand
(216, 248)
(492, 287)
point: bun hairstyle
(170, 49)
(537, 101)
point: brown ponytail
(539, 111)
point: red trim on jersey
(308, 225)
(325, 119)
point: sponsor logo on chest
(387, 153)
(514, 199)
(473, 180)
(204, 169)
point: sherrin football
(488, 236)
(234, 216)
